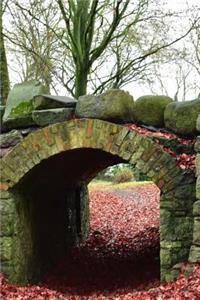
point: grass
(100, 184)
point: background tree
(179, 64)
(4, 77)
(33, 44)
(100, 44)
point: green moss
(22, 109)
(20, 99)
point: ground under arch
(44, 182)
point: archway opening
(121, 252)
(52, 207)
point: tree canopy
(92, 45)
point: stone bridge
(44, 198)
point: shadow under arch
(46, 176)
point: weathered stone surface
(10, 139)
(50, 101)
(18, 122)
(196, 233)
(173, 252)
(7, 217)
(196, 208)
(197, 163)
(20, 100)
(5, 248)
(84, 213)
(51, 116)
(197, 145)
(181, 117)
(113, 105)
(194, 254)
(2, 110)
(198, 187)
(198, 123)
(149, 109)
(174, 272)
(175, 228)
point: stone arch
(62, 159)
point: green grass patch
(106, 185)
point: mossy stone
(42, 102)
(20, 99)
(181, 117)
(149, 109)
(50, 116)
(5, 248)
(2, 110)
(198, 123)
(194, 254)
(113, 105)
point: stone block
(196, 232)
(10, 139)
(51, 116)
(53, 101)
(175, 228)
(20, 99)
(198, 187)
(149, 109)
(175, 204)
(184, 191)
(22, 121)
(5, 248)
(2, 110)
(194, 254)
(5, 195)
(197, 145)
(198, 123)
(181, 117)
(113, 105)
(120, 136)
(197, 163)
(7, 209)
(196, 209)
(136, 156)
(173, 253)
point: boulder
(51, 116)
(113, 105)
(181, 117)
(149, 109)
(20, 101)
(50, 101)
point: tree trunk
(81, 81)
(4, 78)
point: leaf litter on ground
(119, 259)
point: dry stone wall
(195, 249)
(65, 157)
(47, 163)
